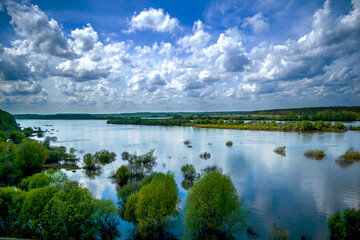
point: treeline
(239, 124)
(65, 116)
(313, 114)
(271, 125)
(156, 122)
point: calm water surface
(295, 193)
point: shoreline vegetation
(293, 114)
(291, 126)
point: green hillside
(7, 121)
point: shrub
(351, 155)
(339, 126)
(91, 163)
(229, 143)
(122, 175)
(125, 156)
(30, 156)
(104, 156)
(16, 137)
(213, 209)
(153, 206)
(315, 154)
(280, 150)
(188, 172)
(2, 136)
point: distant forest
(292, 114)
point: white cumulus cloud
(152, 19)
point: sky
(219, 55)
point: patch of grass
(350, 156)
(315, 154)
(280, 151)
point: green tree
(91, 163)
(122, 175)
(346, 225)
(69, 214)
(28, 218)
(43, 179)
(153, 206)
(16, 137)
(188, 172)
(105, 157)
(2, 136)
(213, 209)
(106, 219)
(7, 215)
(30, 156)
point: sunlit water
(295, 193)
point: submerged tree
(153, 207)
(213, 209)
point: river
(294, 192)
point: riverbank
(286, 126)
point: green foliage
(2, 136)
(213, 209)
(91, 163)
(7, 121)
(105, 157)
(278, 233)
(315, 154)
(73, 213)
(346, 225)
(125, 156)
(16, 137)
(140, 165)
(339, 126)
(29, 215)
(122, 175)
(43, 179)
(30, 156)
(55, 154)
(107, 220)
(10, 174)
(153, 206)
(94, 162)
(350, 156)
(7, 205)
(280, 151)
(188, 172)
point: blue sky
(130, 56)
